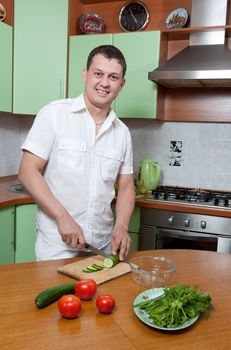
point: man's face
(103, 81)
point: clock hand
(133, 15)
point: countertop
(23, 326)
(9, 198)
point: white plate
(143, 316)
(177, 18)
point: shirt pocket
(71, 156)
(110, 165)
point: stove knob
(203, 224)
(216, 201)
(226, 202)
(170, 220)
(186, 222)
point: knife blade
(96, 250)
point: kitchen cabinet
(139, 95)
(25, 232)
(40, 53)
(138, 98)
(133, 227)
(7, 235)
(178, 104)
(6, 33)
(17, 234)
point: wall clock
(133, 16)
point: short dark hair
(108, 51)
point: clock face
(133, 16)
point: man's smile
(102, 92)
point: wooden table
(23, 326)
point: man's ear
(84, 74)
(122, 83)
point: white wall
(12, 133)
(205, 160)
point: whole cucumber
(52, 294)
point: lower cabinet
(25, 232)
(7, 235)
(17, 234)
(134, 228)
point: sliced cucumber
(100, 267)
(111, 262)
(93, 268)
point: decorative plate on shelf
(91, 23)
(144, 317)
(2, 13)
(177, 18)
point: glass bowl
(152, 271)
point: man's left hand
(120, 240)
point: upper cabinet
(40, 53)
(178, 104)
(138, 98)
(6, 68)
(141, 50)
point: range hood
(206, 62)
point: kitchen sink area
(17, 188)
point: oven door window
(174, 239)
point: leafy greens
(176, 305)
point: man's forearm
(124, 207)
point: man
(74, 153)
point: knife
(97, 251)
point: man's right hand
(71, 232)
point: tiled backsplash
(202, 150)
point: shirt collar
(79, 104)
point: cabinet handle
(13, 238)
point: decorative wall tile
(175, 153)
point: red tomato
(86, 289)
(69, 306)
(105, 303)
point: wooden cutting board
(75, 270)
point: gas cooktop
(191, 195)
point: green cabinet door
(138, 98)
(80, 47)
(134, 229)
(25, 232)
(7, 235)
(40, 53)
(6, 68)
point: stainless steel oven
(163, 229)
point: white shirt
(81, 169)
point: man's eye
(98, 74)
(114, 77)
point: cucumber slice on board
(93, 268)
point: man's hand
(121, 240)
(71, 232)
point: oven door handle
(188, 235)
